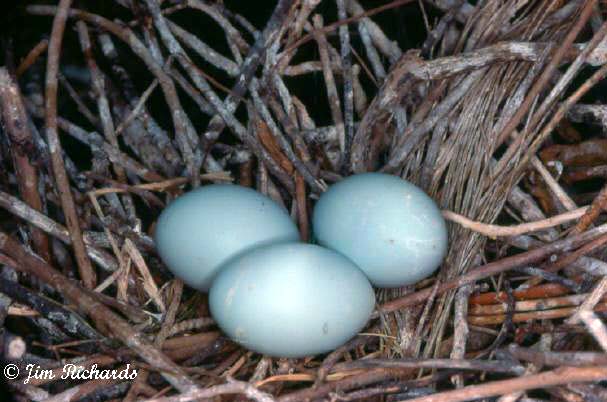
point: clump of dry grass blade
(485, 116)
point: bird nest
(111, 110)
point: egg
(199, 231)
(387, 226)
(291, 300)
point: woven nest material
(451, 144)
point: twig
(87, 273)
(331, 27)
(496, 267)
(527, 316)
(494, 231)
(598, 205)
(182, 124)
(101, 314)
(530, 305)
(556, 189)
(461, 364)
(577, 359)
(31, 57)
(595, 326)
(548, 71)
(17, 126)
(231, 387)
(348, 77)
(333, 97)
(460, 332)
(565, 375)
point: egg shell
(291, 300)
(389, 227)
(205, 227)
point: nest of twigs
(111, 110)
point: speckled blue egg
(291, 300)
(204, 228)
(387, 226)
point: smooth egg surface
(291, 300)
(387, 226)
(205, 227)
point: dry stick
(191, 324)
(598, 205)
(32, 265)
(333, 357)
(332, 95)
(517, 144)
(162, 185)
(553, 185)
(494, 231)
(562, 111)
(590, 265)
(248, 68)
(204, 50)
(232, 34)
(82, 107)
(595, 327)
(563, 312)
(530, 211)
(575, 359)
(180, 121)
(14, 117)
(460, 331)
(348, 77)
(285, 146)
(103, 107)
(547, 73)
(557, 117)
(388, 47)
(531, 305)
(588, 305)
(379, 71)
(574, 175)
(570, 258)
(578, 62)
(124, 188)
(80, 391)
(144, 135)
(536, 292)
(138, 107)
(329, 28)
(497, 267)
(41, 221)
(231, 387)
(87, 273)
(31, 57)
(492, 366)
(68, 320)
(412, 135)
(115, 155)
(566, 375)
(302, 207)
(175, 291)
(372, 376)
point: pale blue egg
(291, 300)
(205, 227)
(389, 227)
